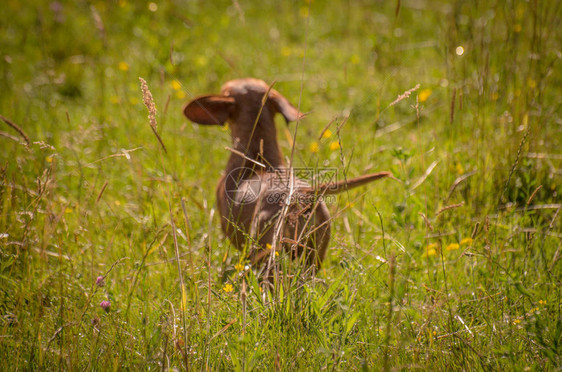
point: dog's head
(241, 101)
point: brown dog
(259, 200)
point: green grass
(478, 158)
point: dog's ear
(284, 107)
(211, 109)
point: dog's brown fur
(252, 192)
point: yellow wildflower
(268, 246)
(68, 210)
(276, 254)
(466, 241)
(424, 95)
(180, 94)
(452, 247)
(123, 66)
(49, 159)
(314, 147)
(516, 321)
(176, 85)
(327, 134)
(334, 145)
(239, 267)
(286, 51)
(542, 302)
(228, 288)
(430, 250)
(459, 168)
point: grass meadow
(111, 253)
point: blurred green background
(455, 267)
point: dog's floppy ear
(284, 107)
(210, 109)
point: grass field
(458, 266)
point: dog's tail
(337, 187)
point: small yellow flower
(117, 202)
(424, 95)
(180, 94)
(430, 250)
(123, 66)
(349, 205)
(429, 253)
(516, 321)
(68, 210)
(228, 288)
(49, 159)
(286, 51)
(452, 247)
(268, 246)
(176, 85)
(327, 134)
(459, 168)
(314, 147)
(239, 267)
(466, 241)
(542, 302)
(334, 145)
(276, 254)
